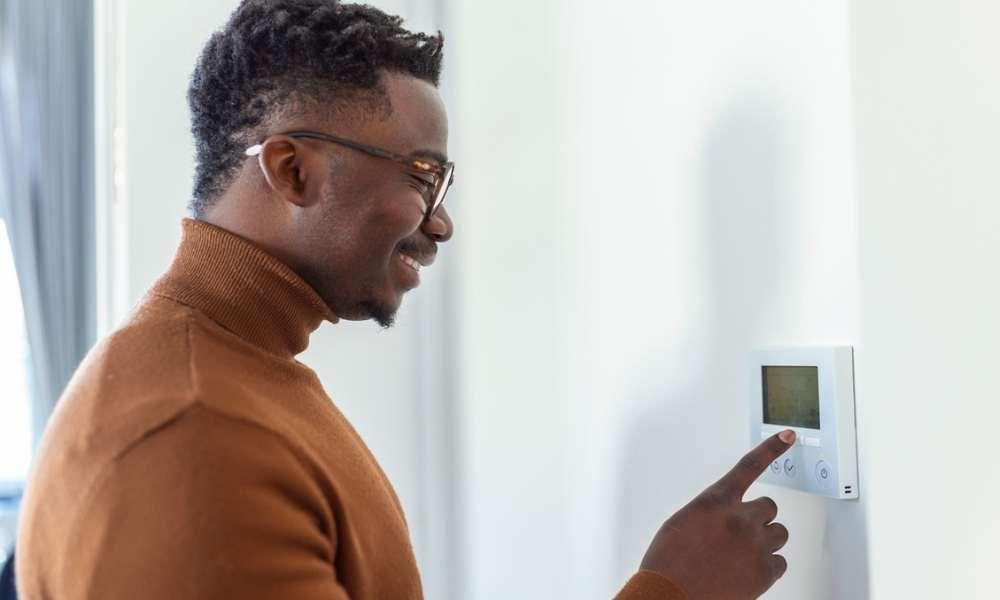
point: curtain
(47, 182)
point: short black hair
(274, 55)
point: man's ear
(281, 162)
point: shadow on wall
(687, 430)
(677, 446)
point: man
(192, 456)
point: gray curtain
(47, 182)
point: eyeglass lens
(444, 184)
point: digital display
(791, 396)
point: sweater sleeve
(647, 585)
(207, 507)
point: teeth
(409, 261)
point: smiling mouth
(410, 262)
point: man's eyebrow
(432, 154)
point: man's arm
(207, 507)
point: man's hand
(719, 547)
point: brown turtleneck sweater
(192, 456)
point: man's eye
(427, 185)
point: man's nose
(439, 227)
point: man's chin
(382, 313)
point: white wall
(514, 422)
(734, 228)
(651, 190)
(393, 385)
(928, 111)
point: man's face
(360, 241)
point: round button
(824, 474)
(776, 466)
(789, 467)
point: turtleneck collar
(244, 289)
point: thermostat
(809, 390)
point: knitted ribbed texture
(647, 585)
(244, 289)
(193, 457)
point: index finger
(754, 463)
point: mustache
(418, 248)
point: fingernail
(787, 436)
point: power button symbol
(824, 474)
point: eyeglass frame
(444, 172)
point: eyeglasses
(436, 178)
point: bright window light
(15, 410)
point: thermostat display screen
(791, 396)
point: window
(15, 409)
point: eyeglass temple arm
(257, 148)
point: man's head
(346, 221)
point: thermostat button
(789, 467)
(810, 441)
(824, 474)
(776, 467)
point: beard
(381, 314)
